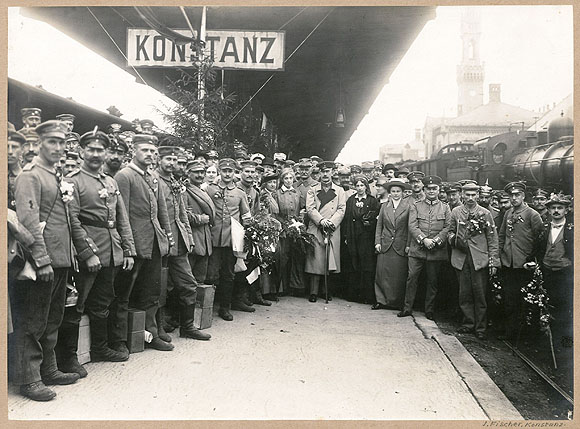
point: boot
(241, 306)
(37, 391)
(67, 343)
(224, 313)
(244, 296)
(72, 366)
(187, 330)
(100, 352)
(160, 317)
(158, 344)
(259, 298)
(58, 377)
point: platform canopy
(343, 65)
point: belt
(109, 224)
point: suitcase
(136, 331)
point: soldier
(345, 181)
(257, 158)
(241, 301)
(453, 195)
(279, 159)
(146, 126)
(305, 169)
(325, 205)
(485, 199)
(504, 205)
(201, 213)
(115, 131)
(68, 119)
(71, 163)
(179, 171)
(212, 158)
(185, 285)
(474, 253)
(428, 228)
(231, 205)
(14, 149)
(30, 148)
(145, 203)
(518, 237)
(30, 117)
(315, 173)
(104, 243)
(415, 180)
(539, 200)
(72, 142)
(38, 305)
(116, 152)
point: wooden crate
(202, 316)
(136, 331)
(84, 344)
(205, 295)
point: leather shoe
(37, 391)
(120, 347)
(481, 336)
(108, 355)
(262, 301)
(429, 315)
(164, 336)
(194, 334)
(58, 377)
(225, 314)
(241, 306)
(378, 306)
(404, 313)
(159, 344)
(73, 366)
(312, 298)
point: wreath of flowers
(536, 300)
(262, 234)
(295, 230)
(477, 223)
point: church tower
(470, 72)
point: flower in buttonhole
(67, 191)
(103, 193)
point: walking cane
(326, 258)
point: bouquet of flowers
(67, 191)
(262, 234)
(536, 299)
(477, 224)
(495, 289)
(295, 230)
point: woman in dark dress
(360, 220)
(392, 244)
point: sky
(527, 49)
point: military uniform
(178, 266)
(38, 306)
(518, 244)
(199, 203)
(230, 202)
(303, 190)
(145, 203)
(470, 256)
(100, 226)
(427, 219)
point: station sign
(230, 49)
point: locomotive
(540, 159)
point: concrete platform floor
(293, 360)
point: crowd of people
(115, 210)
